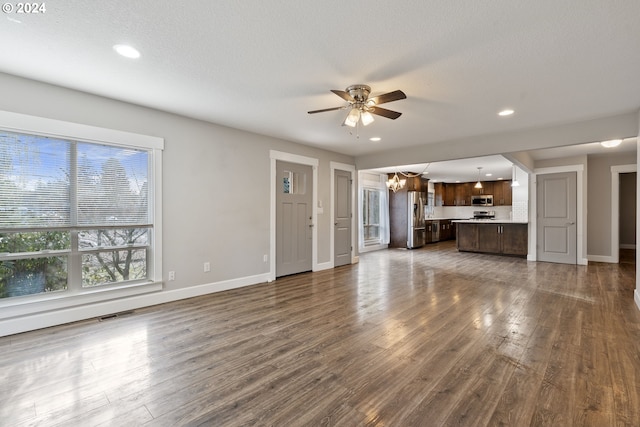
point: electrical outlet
(207, 267)
(172, 275)
(264, 258)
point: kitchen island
(493, 237)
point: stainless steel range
(484, 214)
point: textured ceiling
(260, 66)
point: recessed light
(127, 51)
(506, 112)
(489, 174)
(458, 181)
(611, 143)
(375, 139)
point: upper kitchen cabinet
(502, 193)
(459, 194)
(463, 194)
(416, 183)
(487, 188)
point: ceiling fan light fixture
(352, 118)
(366, 117)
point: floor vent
(114, 315)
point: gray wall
(628, 209)
(599, 201)
(216, 189)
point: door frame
(303, 160)
(354, 236)
(615, 209)
(581, 225)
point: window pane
(113, 266)
(109, 238)
(31, 276)
(34, 242)
(34, 181)
(112, 185)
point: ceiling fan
(361, 107)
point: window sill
(23, 306)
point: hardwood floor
(427, 337)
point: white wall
(216, 187)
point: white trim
(636, 297)
(615, 208)
(324, 266)
(372, 248)
(49, 306)
(581, 258)
(627, 246)
(292, 158)
(601, 258)
(354, 236)
(56, 128)
(17, 325)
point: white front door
(294, 216)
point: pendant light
(395, 183)
(515, 182)
(478, 184)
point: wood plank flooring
(429, 337)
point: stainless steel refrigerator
(415, 220)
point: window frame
(366, 205)
(76, 294)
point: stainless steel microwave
(482, 200)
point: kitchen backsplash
(463, 212)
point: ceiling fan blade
(344, 95)
(387, 97)
(384, 112)
(326, 109)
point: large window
(371, 215)
(74, 215)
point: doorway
(342, 217)
(294, 219)
(557, 217)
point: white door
(342, 218)
(556, 217)
(293, 218)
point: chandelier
(395, 183)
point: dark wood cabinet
(398, 219)
(487, 188)
(493, 238)
(515, 239)
(449, 194)
(467, 239)
(463, 194)
(489, 238)
(459, 194)
(502, 193)
(438, 193)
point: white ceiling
(261, 65)
(466, 170)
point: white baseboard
(355, 260)
(324, 266)
(602, 258)
(370, 248)
(31, 322)
(636, 297)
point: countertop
(489, 221)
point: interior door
(556, 217)
(342, 218)
(293, 218)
